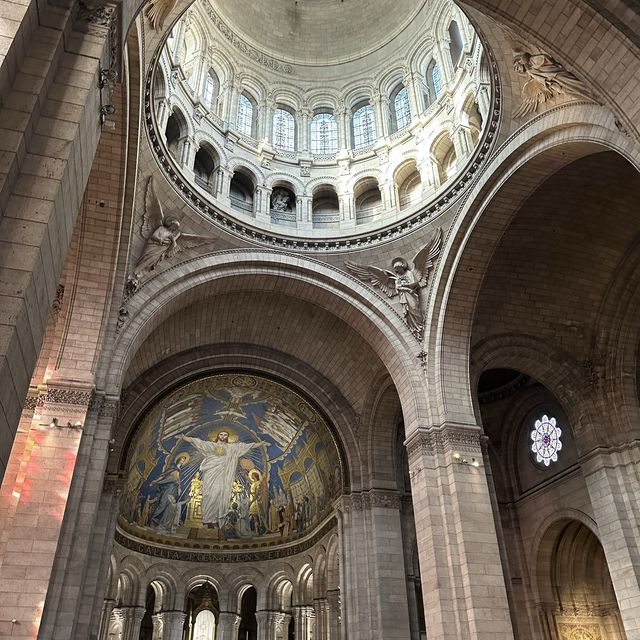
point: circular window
(546, 442)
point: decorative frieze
(438, 440)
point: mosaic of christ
(230, 458)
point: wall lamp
(459, 459)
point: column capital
(447, 437)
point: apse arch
(520, 166)
(343, 296)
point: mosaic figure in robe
(218, 471)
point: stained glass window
(546, 443)
(402, 109)
(324, 133)
(284, 128)
(210, 89)
(364, 127)
(436, 79)
(245, 115)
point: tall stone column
(132, 619)
(273, 625)
(34, 500)
(372, 555)
(105, 618)
(303, 134)
(304, 622)
(464, 595)
(334, 616)
(344, 128)
(228, 625)
(173, 625)
(321, 610)
(157, 621)
(484, 101)
(614, 488)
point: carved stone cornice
(437, 440)
(218, 555)
(378, 498)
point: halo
(233, 436)
(183, 456)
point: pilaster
(228, 625)
(464, 595)
(614, 488)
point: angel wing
(187, 241)
(425, 258)
(534, 94)
(380, 278)
(152, 216)
(158, 11)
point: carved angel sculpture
(164, 238)
(157, 12)
(547, 79)
(404, 281)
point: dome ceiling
(318, 32)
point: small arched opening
(325, 208)
(204, 168)
(368, 200)
(175, 133)
(248, 629)
(241, 190)
(408, 184)
(203, 611)
(444, 156)
(283, 208)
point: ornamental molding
(240, 44)
(214, 554)
(438, 440)
(373, 498)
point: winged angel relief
(546, 79)
(164, 238)
(404, 281)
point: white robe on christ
(217, 471)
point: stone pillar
(173, 625)
(228, 625)
(444, 59)
(416, 95)
(132, 619)
(321, 610)
(462, 143)
(158, 626)
(262, 203)
(232, 94)
(188, 156)
(33, 503)
(372, 555)
(105, 618)
(344, 129)
(334, 617)
(162, 115)
(381, 114)
(614, 489)
(303, 135)
(304, 622)
(464, 591)
(483, 98)
(273, 625)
